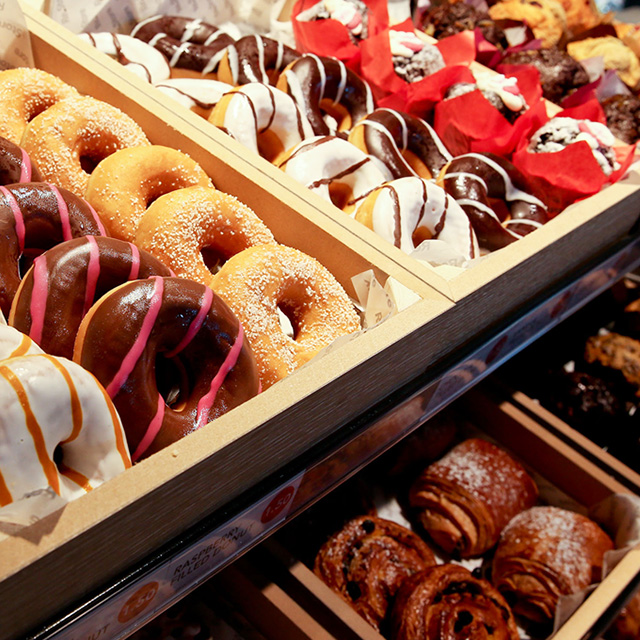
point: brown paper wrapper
(561, 178)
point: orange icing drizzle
(120, 443)
(5, 494)
(75, 476)
(34, 429)
(22, 348)
(76, 407)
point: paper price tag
(15, 50)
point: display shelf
(170, 572)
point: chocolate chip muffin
(623, 117)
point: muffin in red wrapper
(582, 165)
(490, 129)
(395, 76)
(317, 32)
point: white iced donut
(335, 169)
(198, 94)
(14, 343)
(262, 118)
(58, 429)
(410, 210)
(135, 55)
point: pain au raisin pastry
(465, 499)
(447, 602)
(367, 561)
(546, 552)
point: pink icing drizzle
(130, 360)
(97, 219)
(194, 327)
(206, 402)
(63, 210)
(39, 297)
(25, 168)
(414, 46)
(17, 214)
(93, 273)
(152, 430)
(135, 262)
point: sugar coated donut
(406, 145)
(262, 118)
(262, 279)
(199, 95)
(187, 44)
(122, 185)
(332, 96)
(24, 94)
(495, 196)
(74, 135)
(255, 58)
(134, 54)
(408, 211)
(170, 354)
(16, 165)
(14, 343)
(335, 169)
(65, 281)
(194, 228)
(35, 216)
(58, 429)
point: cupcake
(413, 59)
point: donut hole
(172, 381)
(213, 258)
(335, 112)
(341, 195)
(417, 164)
(288, 320)
(270, 146)
(25, 261)
(500, 208)
(420, 235)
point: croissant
(367, 560)
(465, 499)
(446, 602)
(546, 552)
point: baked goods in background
(617, 352)
(58, 429)
(465, 499)
(149, 333)
(448, 601)
(546, 18)
(65, 281)
(623, 116)
(35, 216)
(258, 281)
(413, 58)
(546, 552)
(368, 560)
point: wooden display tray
(288, 585)
(58, 561)
(501, 282)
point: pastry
(623, 116)
(413, 59)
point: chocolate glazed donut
(495, 196)
(446, 602)
(16, 165)
(65, 281)
(170, 354)
(318, 83)
(186, 43)
(35, 216)
(406, 145)
(255, 58)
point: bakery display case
(123, 554)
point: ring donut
(495, 196)
(166, 336)
(190, 45)
(326, 88)
(410, 210)
(255, 58)
(35, 216)
(70, 138)
(133, 54)
(262, 279)
(199, 95)
(406, 145)
(193, 229)
(65, 281)
(16, 165)
(14, 343)
(26, 93)
(278, 123)
(334, 169)
(58, 429)
(122, 185)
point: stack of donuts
(120, 259)
(316, 119)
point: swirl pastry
(546, 552)
(367, 561)
(465, 499)
(448, 602)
